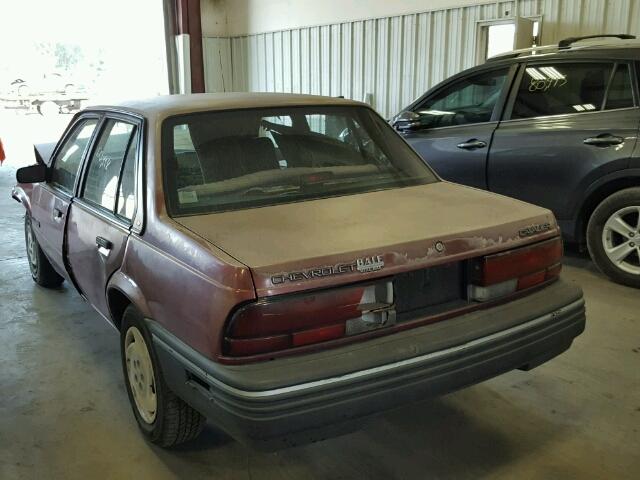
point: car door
(50, 200)
(567, 124)
(101, 216)
(455, 125)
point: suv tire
(163, 417)
(41, 270)
(613, 237)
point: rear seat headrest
(233, 157)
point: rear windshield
(230, 160)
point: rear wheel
(164, 418)
(613, 237)
(41, 270)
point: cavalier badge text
(533, 229)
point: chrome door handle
(104, 243)
(605, 140)
(472, 144)
(57, 214)
(104, 246)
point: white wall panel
(216, 53)
(393, 60)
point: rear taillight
(298, 320)
(503, 273)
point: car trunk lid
(339, 240)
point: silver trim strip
(563, 116)
(436, 129)
(363, 374)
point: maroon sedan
(286, 265)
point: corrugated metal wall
(390, 61)
(216, 53)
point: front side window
(249, 158)
(563, 88)
(467, 101)
(67, 162)
(102, 180)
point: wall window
(562, 88)
(101, 184)
(502, 36)
(67, 162)
(500, 39)
(467, 101)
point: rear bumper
(255, 403)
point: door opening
(506, 35)
(500, 39)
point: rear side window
(563, 88)
(126, 203)
(67, 162)
(620, 93)
(102, 183)
(467, 101)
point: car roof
(164, 106)
(595, 49)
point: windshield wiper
(271, 190)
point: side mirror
(406, 121)
(32, 174)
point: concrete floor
(64, 411)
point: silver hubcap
(31, 250)
(621, 239)
(140, 374)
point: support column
(188, 45)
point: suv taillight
(507, 272)
(293, 321)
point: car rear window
(230, 160)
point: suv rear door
(457, 122)
(566, 124)
(102, 215)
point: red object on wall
(2, 155)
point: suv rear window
(229, 160)
(563, 88)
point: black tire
(609, 207)
(41, 270)
(175, 421)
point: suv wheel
(41, 270)
(164, 418)
(613, 237)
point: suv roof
(625, 42)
